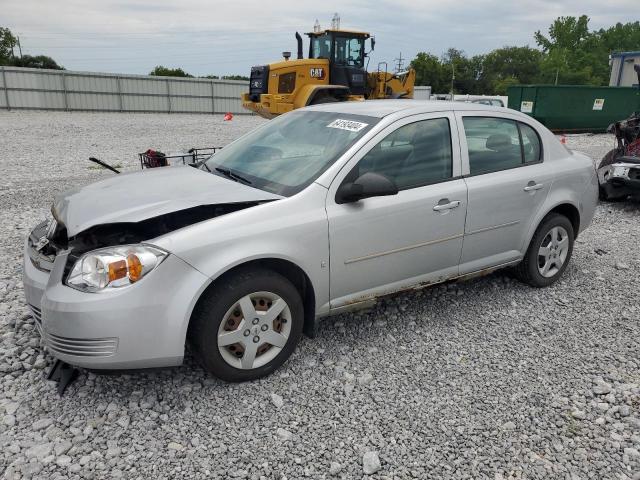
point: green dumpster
(575, 108)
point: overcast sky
(213, 37)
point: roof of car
(382, 108)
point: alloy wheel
(254, 330)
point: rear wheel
(247, 326)
(549, 252)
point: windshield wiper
(232, 175)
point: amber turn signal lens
(135, 267)
(117, 270)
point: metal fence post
(6, 91)
(168, 95)
(119, 92)
(64, 88)
(213, 99)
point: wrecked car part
(63, 374)
(194, 157)
(619, 170)
(103, 164)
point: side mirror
(367, 185)
(373, 43)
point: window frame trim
(392, 128)
(464, 146)
(456, 151)
(540, 154)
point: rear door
(384, 244)
(507, 181)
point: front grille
(81, 347)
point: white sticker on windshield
(350, 125)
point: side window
(413, 155)
(531, 147)
(494, 144)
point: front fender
(294, 229)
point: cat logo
(317, 72)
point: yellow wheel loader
(334, 72)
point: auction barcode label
(350, 125)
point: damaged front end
(50, 237)
(89, 317)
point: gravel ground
(480, 379)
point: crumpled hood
(133, 197)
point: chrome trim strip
(495, 227)
(401, 249)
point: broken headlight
(114, 267)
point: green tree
(161, 71)
(38, 61)
(511, 65)
(571, 52)
(7, 43)
(429, 71)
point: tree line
(8, 44)
(569, 54)
(178, 72)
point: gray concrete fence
(40, 89)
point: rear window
(496, 144)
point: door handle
(533, 186)
(445, 204)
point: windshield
(290, 152)
(321, 46)
(349, 51)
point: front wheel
(549, 252)
(247, 326)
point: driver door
(383, 244)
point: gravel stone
(42, 424)
(370, 463)
(509, 426)
(277, 400)
(284, 435)
(335, 468)
(451, 364)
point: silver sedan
(321, 210)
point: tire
(324, 99)
(529, 270)
(605, 197)
(219, 314)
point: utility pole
(400, 64)
(19, 47)
(453, 76)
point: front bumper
(140, 326)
